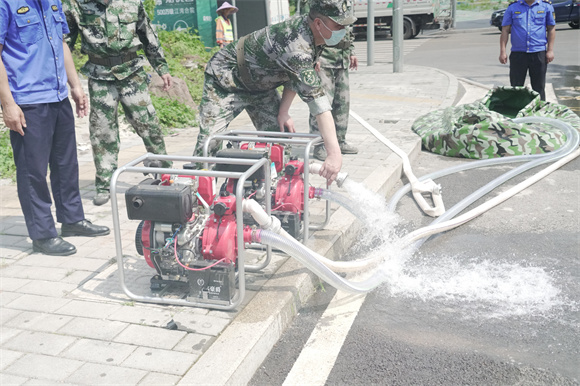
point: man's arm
(76, 89)
(71, 37)
(12, 114)
(333, 162)
(503, 41)
(551, 39)
(284, 119)
(152, 47)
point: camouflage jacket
(111, 30)
(339, 56)
(336, 56)
(280, 54)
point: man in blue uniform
(35, 65)
(532, 26)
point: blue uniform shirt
(31, 32)
(528, 25)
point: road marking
(383, 49)
(319, 354)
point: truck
(418, 15)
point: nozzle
(342, 176)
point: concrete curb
(247, 341)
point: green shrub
(7, 167)
(172, 113)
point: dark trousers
(535, 62)
(49, 140)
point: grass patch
(482, 5)
(7, 167)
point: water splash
(495, 288)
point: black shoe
(83, 228)
(53, 246)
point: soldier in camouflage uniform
(333, 71)
(246, 73)
(111, 33)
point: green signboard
(198, 15)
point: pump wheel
(138, 241)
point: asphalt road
(495, 301)
(473, 53)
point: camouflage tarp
(485, 129)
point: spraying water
(496, 288)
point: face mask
(336, 36)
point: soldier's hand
(14, 118)
(81, 101)
(167, 81)
(331, 167)
(317, 67)
(549, 56)
(286, 123)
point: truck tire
(407, 30)
(574, 24)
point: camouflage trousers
(220, 106)
(133, 95)
(335, 84)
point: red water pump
(187, 241)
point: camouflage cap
(337, 10)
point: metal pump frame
(308, 140)
(254, 165)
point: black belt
(111, 61)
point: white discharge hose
(272, 224)
(324, 268)
(572, 143)
(305, 256)
(419, 187)
(447, 225)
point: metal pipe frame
(279, 137)
(131, 167)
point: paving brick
(7, 297)
(38, 260)
(97, 351)
(194, 343)
(36, 321)
(12, 380)
(47, 288)
(88, 309)
(43, 367)
(47, 382)
(7, 333)
(150, 336)
(7, 314)
(158, 379)
(163, 361)
(148, 315)
(93, 328)
(100, 374)
(34, 272)
(77, 277)
(202, 324)
(11, 283)
(37, 303)
(7, 357)
(39, 342)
